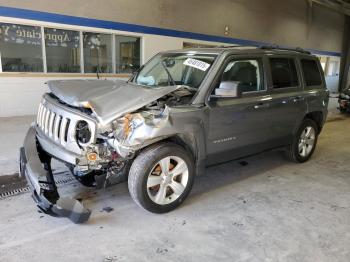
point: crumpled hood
(109, 99)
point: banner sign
(20, 34)
(62, 38)
(31, 35)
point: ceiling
(342, 6)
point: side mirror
(228, 89)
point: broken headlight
(83, 132)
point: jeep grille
(59, 124)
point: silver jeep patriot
(179, 113)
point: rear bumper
(35, 165)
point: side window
(311, 72)
(284, 73)
(243, 75)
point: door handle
(298, 98)
(261, 105)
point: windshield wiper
(170, 78)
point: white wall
(21, 95)
(332, 83)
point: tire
(154, 189)
(293, 152)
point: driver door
(238, 122)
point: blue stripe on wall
(81, 21)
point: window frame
(284, 89)
(80, 30)
(228, 59)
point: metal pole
(43, 48)
(81, 44)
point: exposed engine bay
(179, 97)
(108, 160)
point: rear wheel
(161, 177)
(304, 142)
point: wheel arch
(317, 117)
(192, 144)
(195, 145)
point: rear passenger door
(287, 105)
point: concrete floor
(268, 210)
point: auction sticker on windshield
(197, 64)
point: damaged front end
(137, 130)
(35, 165)
(97, 148)
(146, 125)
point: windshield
(175, 69)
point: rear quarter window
(311, 72)
(284, 73)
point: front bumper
(35, 165)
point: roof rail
(236, 46)
(297, 49)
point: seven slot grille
(59, 124)
(52, 124)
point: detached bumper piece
(35, 165)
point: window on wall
(62, 51)
(284, 73)
(97, 53)
(127, 53)
(20, 48)
(66, 51)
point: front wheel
(161, 177)
(304, 142)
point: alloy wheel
(306, 141)
(167, 180)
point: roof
(244, 50)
